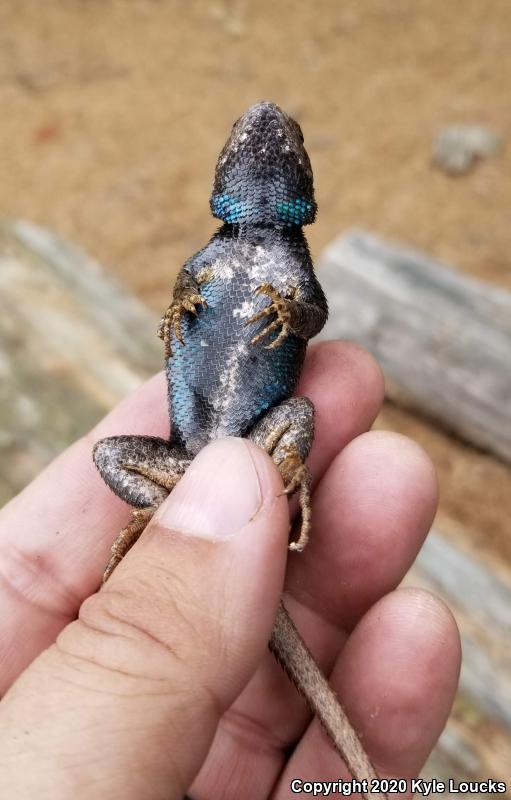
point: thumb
(126, 702)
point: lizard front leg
(296, 313)
(141, 470)
(185, 299)
(286, 433)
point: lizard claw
(297, 478)
(301, 482)
(171, 320)
(278, 306)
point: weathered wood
(478, 737)
(72, 343)
(443, 340)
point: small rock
(457, 147)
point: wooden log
(480, 599)
(72, 342)
(443, 340)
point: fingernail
(220, 492)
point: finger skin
(371, 513)
(126, 703)
(56, 535)
(347, 388)
(396, 677)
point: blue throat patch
(299, 211)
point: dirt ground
(113, 114)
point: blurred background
(112, 117)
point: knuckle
(111, 650)
(149, 626)
(119, 634)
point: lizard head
(263, 175)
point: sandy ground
(113, 113)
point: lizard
(235, 336)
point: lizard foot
(127, 538)
(297, 478)
(171, 320)
(278, 306)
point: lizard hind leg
(286, 433)
(141, 470)
(127, 538)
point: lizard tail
(294, 657)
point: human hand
(164, 681)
